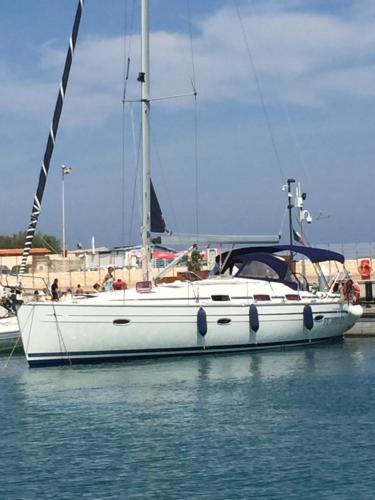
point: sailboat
(252, 300)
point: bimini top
(315, 255)
(261, 263)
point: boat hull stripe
(53, 358)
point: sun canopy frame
(315, 255)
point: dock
(365, 327)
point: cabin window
(257, 269)
(220, 298)
(262, 297)
(292, 296)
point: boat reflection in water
(242, 425)
(175, 378)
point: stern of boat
(355, 312)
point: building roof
(17, 252)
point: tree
(17, 240)
(195, 261)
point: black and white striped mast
(144, 79)
(37, 204)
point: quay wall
(42, 272)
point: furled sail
(157, 219)
(36, 209)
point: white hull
(9, 332)
(164, 323)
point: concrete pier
(365, 327)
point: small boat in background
(9, 333)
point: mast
(144, 79)
(37, 205)
(290, 206)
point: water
(275, 425)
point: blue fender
(202, 321)
(253, 318)
(308, 319)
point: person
(96, 288)
(108, 280)
(351, 290)
(79, 290)
(14, 299)
(36, 296)
(55, 289)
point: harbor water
(288, 424)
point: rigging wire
(123, 162)
(63, 347)
(18, 342)
(193, 83)
(48, 245)
(283, 221)
(297, 146)
(137, 149)
(196, 165)
(259, 90)
(127, 50)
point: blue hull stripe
(58, 358)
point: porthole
(224, 321)
(121, 321)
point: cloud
(301, 56)
(23, 95)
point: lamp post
(65, 170)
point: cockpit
(262, 263)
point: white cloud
(307, 56)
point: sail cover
(157, 219)
(37, 203)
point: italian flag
(298, 237)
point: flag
(298, 237)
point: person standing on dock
(55, 289)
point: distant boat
(9, 333)
(254, 301)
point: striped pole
(37, 205)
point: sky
(285, 89)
